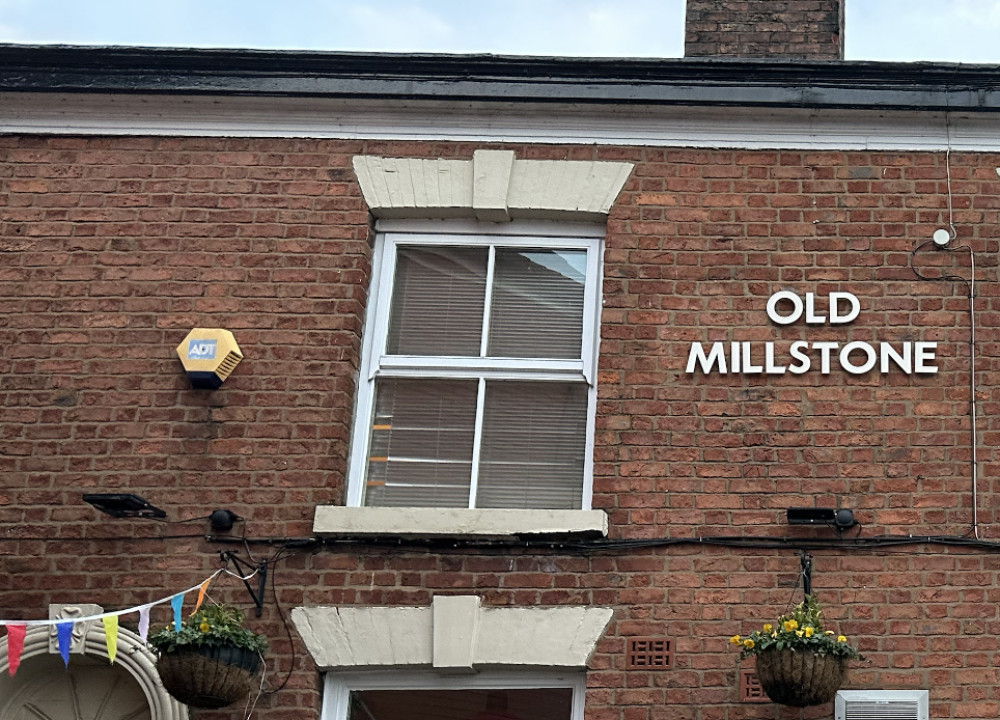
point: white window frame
(338, 686)
(392, 234)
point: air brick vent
(649, 653)
(750, 689)
(881, 705)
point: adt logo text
(201, 350)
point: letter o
(845, 359)
(772, 311)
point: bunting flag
(201, 594)
(64, 631)
(17, 629)
(15, 646)
(176, 602)
(111, 636)
(144, 623)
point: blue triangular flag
(176, 602)
(64, 632)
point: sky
(964, 31)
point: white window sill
(455, 522)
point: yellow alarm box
(209, 355)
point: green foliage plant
(801, 630)
(211, 626)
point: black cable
(282, 554)
(200, 518)
(110, 538)
(913, 267)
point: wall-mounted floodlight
(123, 505)
(209, 355)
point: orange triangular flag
(201, 594)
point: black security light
(123, 505)
(222, 520)
(842, 519)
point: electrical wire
(970, 285)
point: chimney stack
(780, 29)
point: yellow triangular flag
(201, 595)
(111, 635)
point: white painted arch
(133, 657)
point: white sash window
(478, 370)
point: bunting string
(16, 629)
(92, 618)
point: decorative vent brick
(750, 689)
(648, 653)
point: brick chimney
(782, 29)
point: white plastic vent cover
(881, 705)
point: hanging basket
(800, 679)
(208, 677)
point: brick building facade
(146, 193)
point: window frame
(375, 363)
(337, 687)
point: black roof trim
(688, 81)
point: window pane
(537, 303)
(534, 443)
(421, 443)
(530, 704)
(437, 301)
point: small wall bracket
(247, 571)
(806, 561)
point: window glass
(537, 308)
(473, 704)
(534, 440)
(421, 443)
(437, 301)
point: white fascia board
(663, 126)
(337, 520)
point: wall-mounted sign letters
(785, 308)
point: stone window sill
(335, 520)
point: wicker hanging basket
(208, 677)
(800, 679)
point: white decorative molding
(80, 629)
(468, 639)
(454, 626)
(133, 656)
(492, 187)
(455, 522)
(551, 123)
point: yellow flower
(204, 626)
(735, 640)
(767, 627)
(829, 632)
(790, 625)
(798, 633)
(841, 638)
(748, 644)
(809, 631)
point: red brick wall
(112, 249)
(804, 29)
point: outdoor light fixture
(123, 505)
(941, 237)
(222, 520)
(842, 519)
